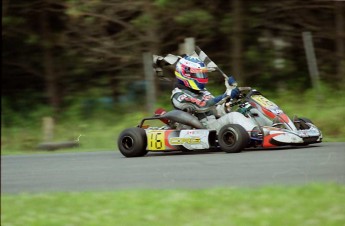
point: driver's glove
(230, 81)
(233, 93)
(231, 87)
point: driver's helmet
(191, 72)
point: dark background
(54, 52)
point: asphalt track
(107, 171)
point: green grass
(100, 131)
(314, 204)
(94, 134)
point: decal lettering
(198, 102)
(181, 97)
(267, 104)
(181, 140)
(263, 101)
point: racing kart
(183, 131)
(275, 128)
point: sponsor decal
(198, 102)
(181, 97)
(182, 140)
(198, 70)
(267, 104)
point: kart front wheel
(232, 138)
(132, 142)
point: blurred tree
(50, 74)
(340, 41)
(278, 25)
(30, 46)
(109, 37)
(237, 51)
(55, 50)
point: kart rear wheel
(233, 138)
(132, 142)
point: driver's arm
(185, 102)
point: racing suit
(199, 103)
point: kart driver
(191, 95)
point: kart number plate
(155, 140)
(263, 101)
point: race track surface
(106, 171)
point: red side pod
(267, 139)
(166, 137)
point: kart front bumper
(280, 137)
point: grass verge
(314, 204)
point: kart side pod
(135, 142)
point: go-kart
(183, 131)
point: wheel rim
(127, 142)
(229, 138)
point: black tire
(233, 138)
(132, 142)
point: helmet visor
(198, 72)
